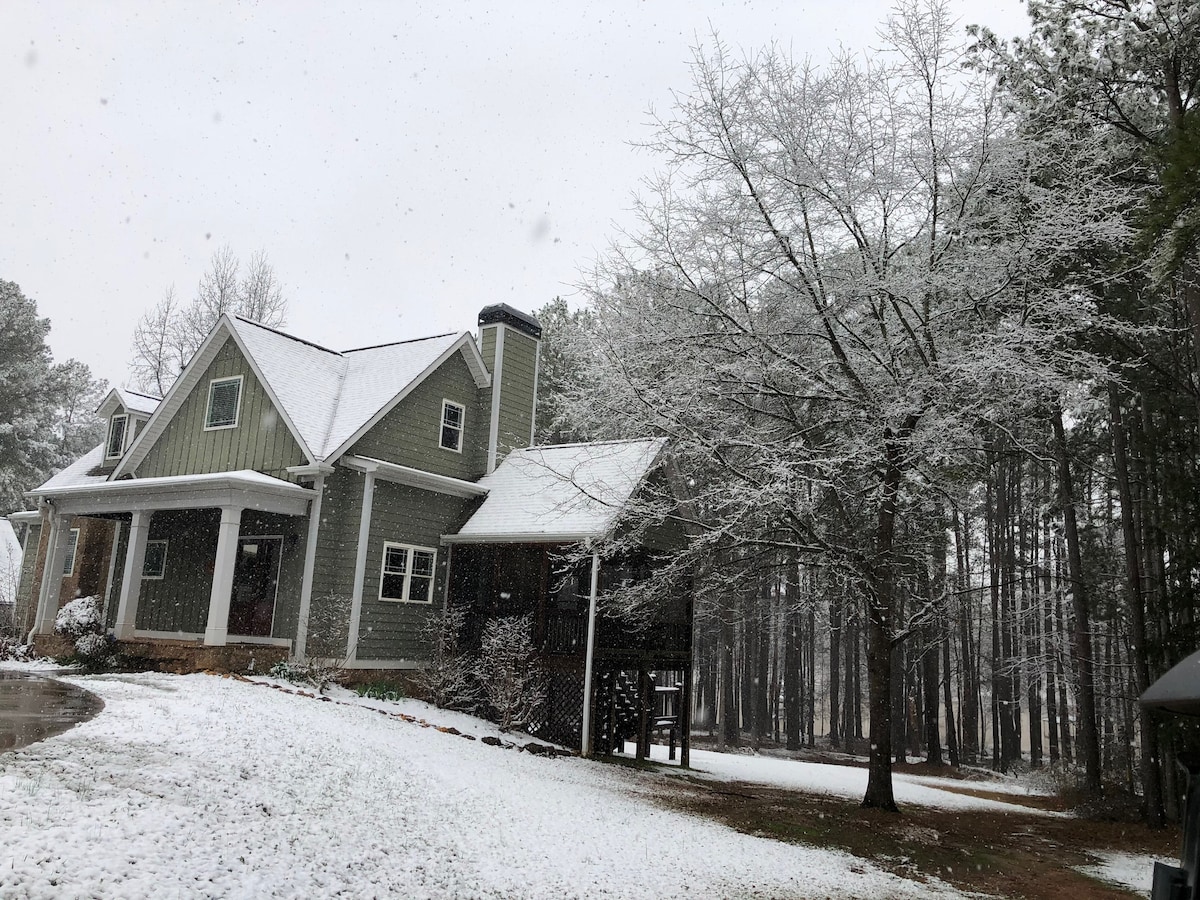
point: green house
(284, 500)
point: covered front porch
(200, 564)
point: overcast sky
(402, 164)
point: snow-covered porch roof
(243, 489)
(567, 493)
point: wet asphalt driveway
(34, 706)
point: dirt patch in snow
(998, 854)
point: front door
(255, 581)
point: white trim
(465, 345)
(497, 389)
(244, 488)
(537, 364)
(415, 478)
(462, 425)
(360, 564)
(195, 636)
(310, 559)
(25, 517)
(411, 551)
(161, 575)
(112, 421)
(72, 553)
(112, 569)
(237, 410)
(524, 537)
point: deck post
(685, 719)
(585, 748)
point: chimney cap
(503, 314)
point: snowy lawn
(847, 782)
(198, 786)
(1130, 870)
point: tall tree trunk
(791, 653)
(835, 669)
(1148, 762)
(1086, 734)
(880, 611)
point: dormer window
(453, 415)
(117, 428)
(224, 403)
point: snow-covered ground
(1129, 870)
(847, 782)
(198, 786)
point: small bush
(448, 681)
(381, 690)
(81, 621)
(508, 673)
(309, 674)
(13, 648)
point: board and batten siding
(178, 602)
(410, 434)
(261, 441)
(403, 515)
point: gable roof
(327, 398)
(135, 402)
(567, 492)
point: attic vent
(224, 399)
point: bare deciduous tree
(167, 335)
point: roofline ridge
(139, 393)
(428, 337)
(284, 334)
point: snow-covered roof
(132, 401)
(567, 492)
(329, 396)
(137, 402)
(76, 474)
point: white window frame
(72, 553)
(237, 412)
(163, 571)
(410, 552)
(462, 425)
(112, 423)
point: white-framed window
(155, 565)
(454, 416)
(224, 403)
(115, 445)
(72, 546)
(407, 574)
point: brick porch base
(181, 657)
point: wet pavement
(34, 707)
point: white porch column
(217, 632)
(360, 564)
(131, 579)
(52, 576)
(310, 558)
(586, 742)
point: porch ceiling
(245, 489)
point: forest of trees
(924, 331)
